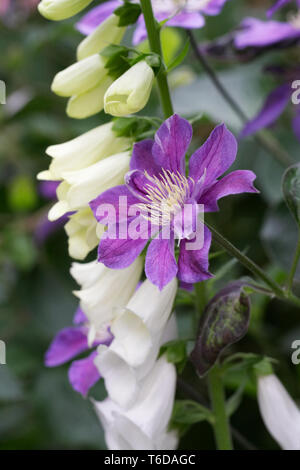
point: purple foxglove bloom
(159, 188)
(275, 104)
(182, 14)
(72, 341)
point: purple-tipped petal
(279, 4)
(83, 374)
(171, 143)
(215, 156)
(273, 107)
(79, 317)
(67, 344)
(96, 16)
(142, 158)
(193, 264)
(119, 253)
(112, 205)
(257, 33)
(237, 182)
(161, 266)
(296, 124)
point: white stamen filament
(166, 198)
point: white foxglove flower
(83, 151)
(144, 425)
(89, 103)
(279, 412)
(130, 92)
(103, 290)
(81, 186)
(61, 9)
(138, 331)
(104, 35)
(80, 77)
(83, 233)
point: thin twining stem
(268, 142)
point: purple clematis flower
(187, 14)
(275, 104)
(69, 343)
(164, 196)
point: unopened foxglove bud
(61, 9)
(89, 103)
(107, 33)
(80, 77)
(130, 92)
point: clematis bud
(83, 233)
(130, 92)
(103, 289)
(89, 103)
(61, 9)
(83, 151)
(81, 186)
(80, 77)
(107, 33)
(145, 425)
(279, 412)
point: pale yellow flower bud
(61, 9)
(130, 92)
(107, 33)
(89, 103)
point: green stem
(217, 396)
(253, 267)
(294, 266)
(153, 31)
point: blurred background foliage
(38, 408)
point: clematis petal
(96, 16)
(193, 264)
(215, 156)
(120, 253)
(237, 182)
(114, 197)
(187, 20)
(277, 5)
(79, 317)
(273, 107)
(142, 158)
(171, 143)
(161, 266)
(67, 344)
(83, 374)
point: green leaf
(188, 412)
(132, 126)
(128, 13)
(225, 321)
(180, 58)
(235, 400)
(291, 190)
(176, 353)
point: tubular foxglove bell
(104, 290)
(144, 425)
(81, 186)
(61, 9)
(89, 103)
(80, 77)
(138, 331)
(83, 151)
(279, 412)
(130, 92)
(104, 35)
